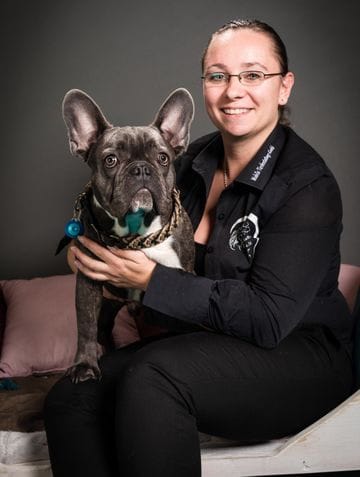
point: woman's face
(240, 111)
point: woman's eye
(110, 161)
(252, 76)
(216, 77)
(163, 158)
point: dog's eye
(110, 161)
(163, 158)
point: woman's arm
(297, 247)
(122, 268)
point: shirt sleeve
(294, 253)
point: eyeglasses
(246, 78)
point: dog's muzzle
(142, 200)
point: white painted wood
(330, 444)
(35, 469)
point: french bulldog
(131, 200)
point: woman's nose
(234, 89)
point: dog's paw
(83, 372)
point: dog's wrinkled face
(132, 167)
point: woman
(274, 354)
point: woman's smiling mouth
(233, 111)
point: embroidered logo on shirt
(244, 235)
(262, 164)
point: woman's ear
(287, 82)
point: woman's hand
(122, 268)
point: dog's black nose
(141, 171)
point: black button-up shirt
(272, 260)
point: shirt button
(210, 249)
(221, 216)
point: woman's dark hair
(279, 49)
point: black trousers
(142, 418)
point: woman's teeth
(236, 110)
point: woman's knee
(67, 398)
(90, 395)
(152, 376)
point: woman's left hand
(122, 268)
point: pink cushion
(40, 333)
(125, 330)
(349, 283)
(2, 315)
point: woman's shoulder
(299, 161)
(195, 147)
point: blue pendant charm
(74, 228)
(134, 220)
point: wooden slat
(330, 444)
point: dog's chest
(164, 253)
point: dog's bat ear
(174, 119)
(84, 121)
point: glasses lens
(216, 78)
(251, 77)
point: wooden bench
(330, 444)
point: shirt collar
(256, 173)
(206, 162)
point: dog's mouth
(142, 200)
(141, 211)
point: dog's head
(132, 167)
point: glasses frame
(263, 75)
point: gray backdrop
(129, 58)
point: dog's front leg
(88, 305)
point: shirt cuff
(179, 294)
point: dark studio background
(129, 58)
